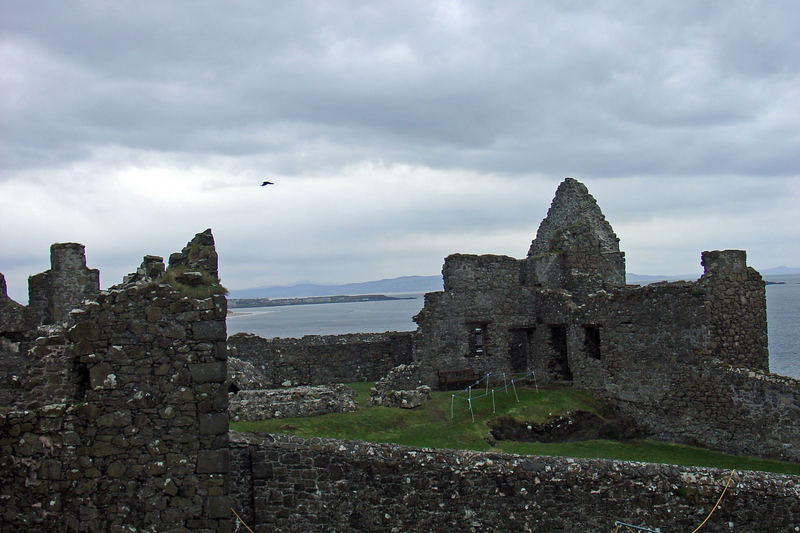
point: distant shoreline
(239, 303)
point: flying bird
(267, 183)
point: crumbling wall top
(724, 261)
(54, 293)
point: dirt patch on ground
(574, 426)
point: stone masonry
(291, 402)
(684, 359)
(289, 484)
(127, 425)
(55, 292)
(323, 359)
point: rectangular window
(591, 341)
(477, 339)
(559, 366)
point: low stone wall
(285, 483)
(323, 359)
(734, 410)
(401, 387)
(291, 403)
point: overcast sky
(396, 132)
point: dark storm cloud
(604, 89)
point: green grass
(431, 426)
(207, 287)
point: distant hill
(404, 284)
(780, 271)
(418, 284)
(644, 279)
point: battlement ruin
(122, 421)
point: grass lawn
(431, 426)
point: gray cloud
(683, 99)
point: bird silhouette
(267, 183)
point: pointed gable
(573, 206)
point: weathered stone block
(213, 461)
(101, 376)
(213, 424)
(211, 330)
(215, 372)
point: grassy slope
(431, 426)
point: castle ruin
(117, 419)
(687, 360)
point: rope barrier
(242, 521)
(631, 527)
(730, 478)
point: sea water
(783, 318)
(783, 325)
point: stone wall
(466, 325)
(128, 428)
(565, 313)
(656, 360)
(291, 402)
(736, 307)
(54, 293)
(17, 331)
(286, 484)
(323, 359)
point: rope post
(515, 390)
(469, 402)
(452, 402)
(494, 411)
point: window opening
(558, 342)
(519, 347)
(477, 339)
(591, 341)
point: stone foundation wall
(289, 484)
(323, 359)
(290, 403)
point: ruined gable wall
(322, 485)
(575, 247)
(483, 290)
(323, 359)
(54, 293)
(146, 446)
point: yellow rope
(242, 521)
(716, 504)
